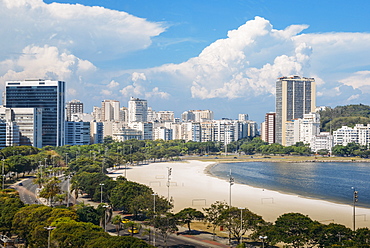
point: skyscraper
(73, 107)
(47, 95)
(295, 96)
(137, 110)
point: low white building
(360, 134)
(322, 141)
(345, 135)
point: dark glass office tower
(44, 94)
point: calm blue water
(328, 181)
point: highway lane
(27, 191)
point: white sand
(191, 187)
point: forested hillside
(334, 118)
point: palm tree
(51, 189)
(117, 220)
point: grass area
(201, 226)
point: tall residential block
(269, 128)
(110, 110)
(73, 107)
(137, 110)
(295, 96)
(47, 95)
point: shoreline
(207, 171)
(277, 159)
(191, 185)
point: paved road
(27, 192)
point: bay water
(328, 181)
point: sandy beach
(191, 186)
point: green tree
(187, 215)
(239, 221)
(125, 192)
(117, 221)
(51, 189)
(292, 228)
(88, 213)
(89, 182)
(29, 222)
(213, 215)
(76, 234)
(117, 242)
(165, 224)
(10, 203)
(362, 237)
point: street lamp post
(263, 238)
(49, 228)
(130, 154)
(101, 192)
(3, 173)
(355, 199)
(241, 224)
(40, 168)
(154, 195)
(68, 178)
(169, 170)
(231, 182)
(105, 217)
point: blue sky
(181, 55)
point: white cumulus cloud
(112, 84)
(45, 62)
(92, 33)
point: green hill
(333, 118)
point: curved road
(27, 192)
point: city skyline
(185, 55)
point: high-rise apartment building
(295, 96)
(73, 107)
(137, 110)
(47, 95)
(268, 134)
(110, 110)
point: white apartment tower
(137, 110)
